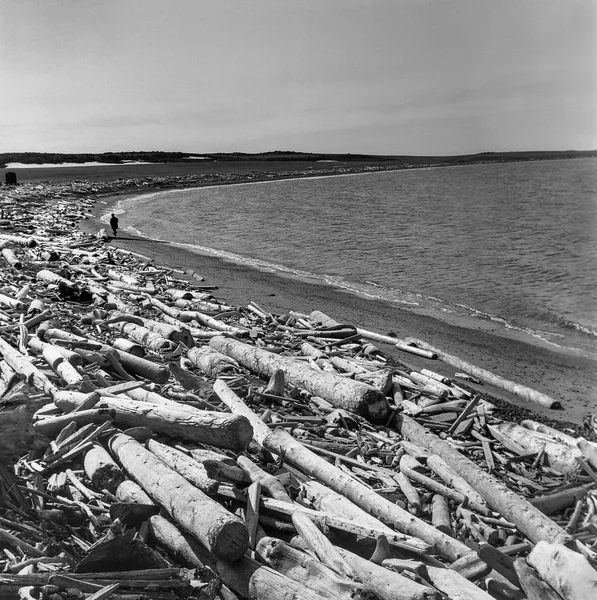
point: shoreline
(568, 379)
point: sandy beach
(571, 380)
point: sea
(508, 246)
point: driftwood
(514, 508)
(515, 388)
(219, 429)
(343, 393)
(220, 531)
(280, 441)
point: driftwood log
(341, 392)
(218, 530)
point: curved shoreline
(570, 380)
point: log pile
(159, 443)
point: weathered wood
(321, 546)
(534, 587)
(280, 441)
(138, 365)
(387, 584)
(558, 456)
(532, 522)
(304, 569)
(267, 481)
(221, 532)
(515, 388)
(102, 471)
(343, 393)
(211, 362)
(189, 468)
(218, 429)
(550, 504)
(566, 571)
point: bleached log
(532, 522)
(145, 337)
(186, 466)
(51, 426)
(456, 482)
(558, 456)
(327, 553)
(341, 392)
(11, 258)
(125, 345)
(23, 366)
(566, 571)
(61, 366)
(281, 441)
(50, 277)
(217, 429)
(218, 530)
(38, 346)
(534, 587)
(517, 389)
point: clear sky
(376, 76)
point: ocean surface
(510, 247)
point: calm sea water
(513, 245)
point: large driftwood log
(568, 572)
(218, 429)
(517, 389)
(341, 392)
(280, 441)
(532, 522)
(218, 530)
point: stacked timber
(157, 442)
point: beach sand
(568, 379)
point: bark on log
(568, 572)
(218, 530)
(517, 389)
(388, 512)
(532, 522)
(217, 429)
(343, 393)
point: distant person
(114, 223)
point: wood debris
(157, 442)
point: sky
(375, 76)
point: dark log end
(377, 406)
(229, 541)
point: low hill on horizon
(37, 158)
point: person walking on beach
(114, 223)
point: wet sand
(569, 379)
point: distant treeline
(33, 158)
